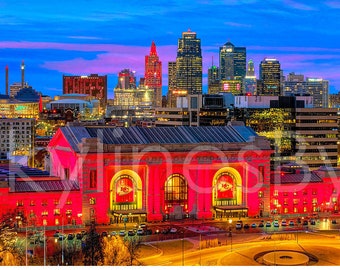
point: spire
(153, 49)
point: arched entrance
(227, 194)
(176, 197)
(126, 198)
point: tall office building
(93, 85)
(153, 74)
(270, 77)
(319, 89)
(171, 84)
(294, 84)
(232, 62)
(213, 80)
(249, 81)
(189, 63)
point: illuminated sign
(225, 186)
(124, 189)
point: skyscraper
(171, 84)
(319, 89)
(270, 77)
(153, 74)
(232, 62)
(213, 80)
(189, 64)
(249, 81)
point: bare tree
(93, 248)
(133, 244)
(115, 252)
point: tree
(12, 251)
(115, 252)
(133, 245)
(93, 248)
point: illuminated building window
(276, 192)
(32, 203)
(92, 201)
(32, 214)
(176, 189)
(68, 212)
(20, 203)
(285, 193)
(305, 201)
(68, 202)
(44, 203)
(315, 201)
(295, 210)
(276, 202)
(261, 174)
(335, 191)
(334, 200)
(56, 202)
(260, 194)
(93, 179)
(296, 201)
(305, 209)
(56, 211)
(285, 210)
(295, 193)
(44, 213)
(285, 201)
(314, 191)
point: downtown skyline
(83, 37)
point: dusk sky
(80, 37)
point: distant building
(17, 138)
(319, 89)
(189, 64)
(249, 81)
(270, 77)
(16, 87)
(171, 85)
(153, 75)
(213, 80)
(12, 108)
(232, 62)
(93, 85)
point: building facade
(189, 64)
(270, 77)
(93, 85)
(153, 75)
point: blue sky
(79, 37)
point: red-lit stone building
(105, 174)
(93, 85)
(155, 174)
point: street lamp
(182, 248)
(44, 223)
(230, 235)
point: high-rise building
(249, 81)
(232, 62)
(319, 89)
(126, 79)
(213, 80)
(270, 77)
(294, 84)
(189, 63)
(93, 85)
(153, 74)
(171, 84)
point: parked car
(140, 231)
(276, 223)
(104, 234)
(305, 223)
(261, 224)
(312, 222)
(113, 233)
(56, 234)
(173, 230)
(246, 226)
(157, 231)
(268, 224)
(61, 237)
(122, 233)
(142, 225)
(239, 225)
(79, 236)
(148, 232)
(284, 223)
(334, 221)
(291, 223)
(70, 236)
(253, 225)
(131, 233)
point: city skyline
(80, 38)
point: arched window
(176, 189)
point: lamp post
(44, 223)
(230, 235)
(182, 248)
